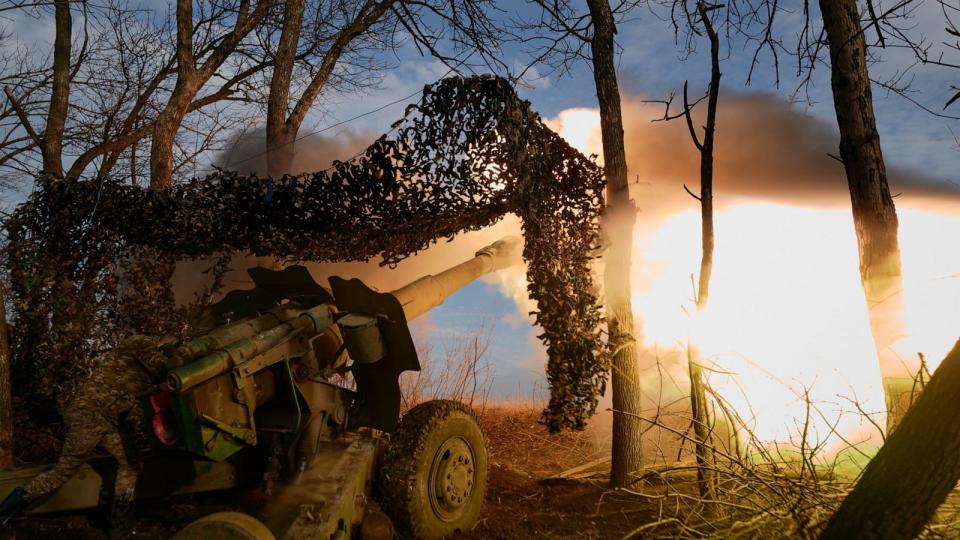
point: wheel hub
(452, 478)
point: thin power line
(347, 121)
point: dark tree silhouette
(911, 475)
(874, 214)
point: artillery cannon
(260, 398)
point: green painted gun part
(222, 360)
(221, 337)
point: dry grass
(762, 491)
(459, 372)
(519, 441)
(531, 496)
(527, 500)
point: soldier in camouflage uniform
(94, 417)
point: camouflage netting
(91, 261)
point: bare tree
(702, 425)
(844, 35)
(336, 49)
(874, 214)
(50, 141)
(559, 37)
(196, 64)
(187, 82)
(121, 75)
(627, 456)
(698, 396)
(60, 97)
(284, 120)
(706, 154)
(691, 19)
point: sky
(650, 66)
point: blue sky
(651, 65)
(515, 357)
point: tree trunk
(702, 429)
(191, 78)
(6, 394)
(283, 126)
(281, 147)
(279, 137)
(618, 225)
(914, 471)
(702, 426)
(161, 147)
(168, 121)
(706, 160)
(52, 148)
(874, 214)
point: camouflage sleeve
(85, 427)
(138, 344)
(143, 351)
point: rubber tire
(405, 470)
(225, 526)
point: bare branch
(687, 116)
(22, 115)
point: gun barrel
(429, 292)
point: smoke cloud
(765, 149)
(246, 152)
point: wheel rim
(453, 476)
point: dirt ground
(525, 498)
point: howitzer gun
(259, 399)
(264, 385)
(269, 371)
